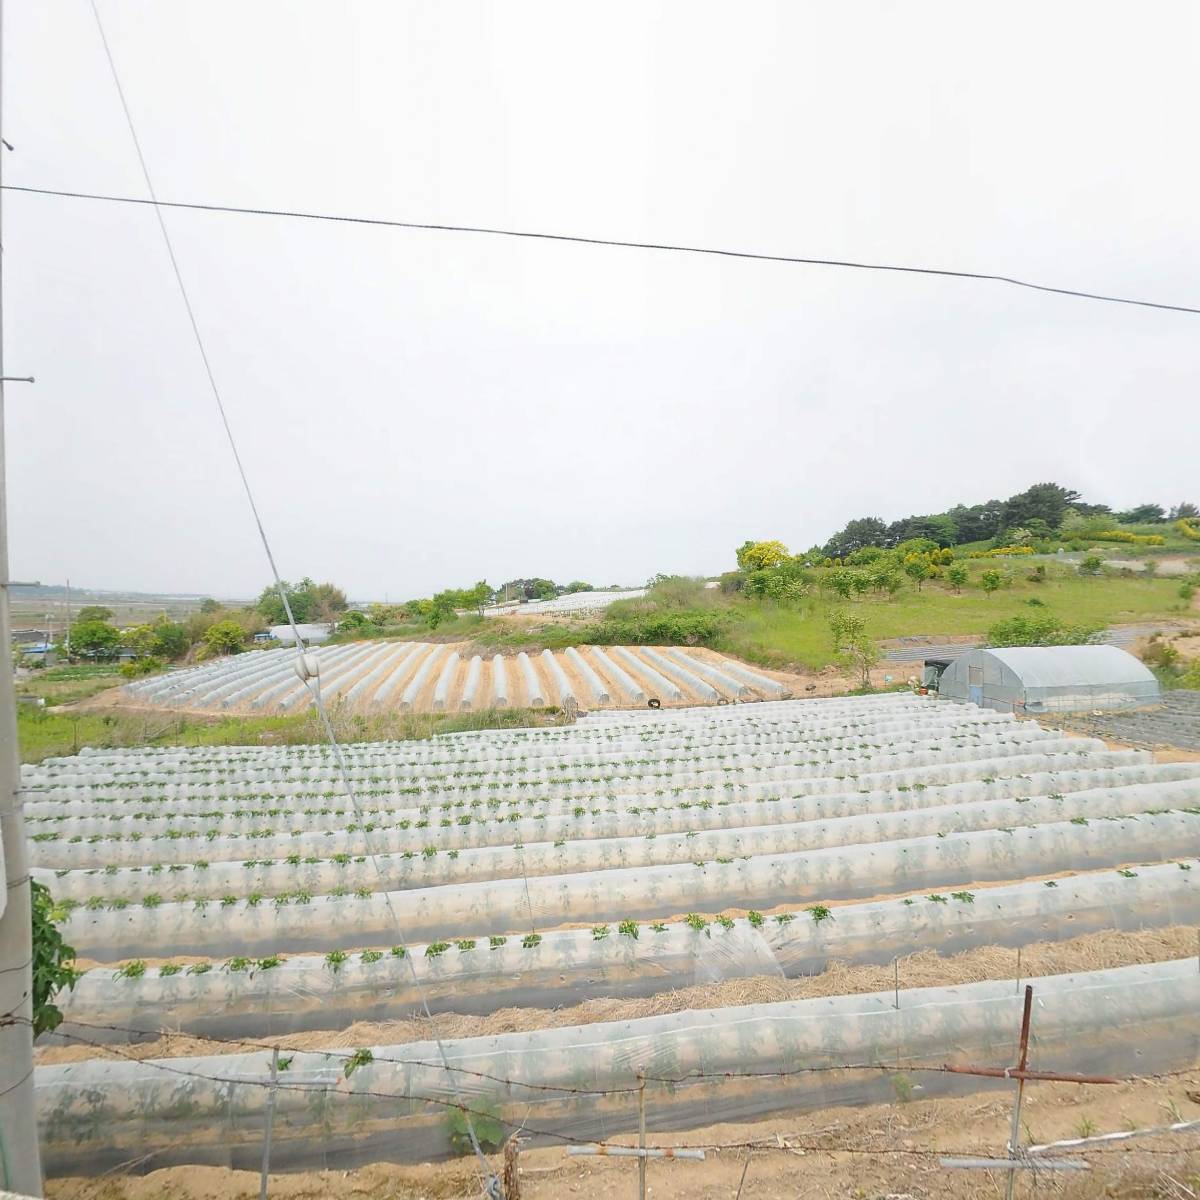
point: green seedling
(360, 1058)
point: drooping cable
(488, 1181)
(847, 264)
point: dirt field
(1176, 723)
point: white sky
(418, 410)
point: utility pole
(67, 643)
(20, 1168)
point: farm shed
(309, 634)
(1049, 679)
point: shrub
(1160, 654)
(140, 667)
(1039, 629)
(52, 959)
(482, 1117)
(758, 556)
(1123, 535)
(225, 637)
(360, 1058)
(690, 627)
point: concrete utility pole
(20, 1165)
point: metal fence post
(266, 1158)
(1014, 1137)
(641, 1135)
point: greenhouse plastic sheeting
(1037, 679)
(568, 966)
(509, 906)
(578, 1081)
(273, 877)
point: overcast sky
(419, 410)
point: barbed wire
(818, 1142)
(695, 1075)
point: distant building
(1034, 679)
(310, 635)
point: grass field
(786, 636)
(45, 734)
(69, 683)
(777, 636)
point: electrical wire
(578, 239)
(488, 1181)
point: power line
(431, 227)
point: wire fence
(274, 1079)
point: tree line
(213, 630)
(1043, 510)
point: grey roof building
(1037, 679)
